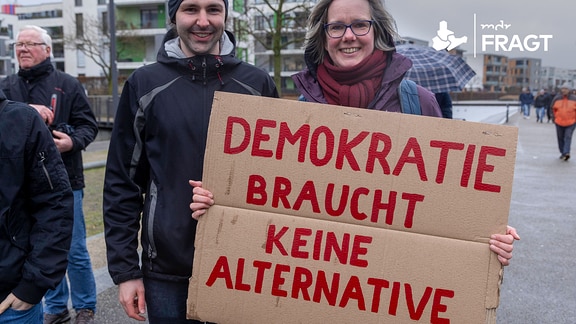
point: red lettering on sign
(376, 154)
(221, 270)
(412, 153)
(379, 285)
(483, 167)
(256, 191)
(301, 135)
(445, 148)
(305, 284)
(322, 147)
(437, 307)
(345, 148)
(278, 280)
(416, 312)
(353, 290)
(306, 242)
(260, 136)
(282, 190)
(328, 149)
(273, 239)
(261, 267)
(228, 149)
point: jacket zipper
(42, 157)
(204, 71)
(151, 212)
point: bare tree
(92, 38)
(275, 24)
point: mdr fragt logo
(511, 28)
(491, 37)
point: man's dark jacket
(36, 206)
(157, 145)
(43, 84)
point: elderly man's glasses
(27, 45)
(359, 28)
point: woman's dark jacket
(387, 98)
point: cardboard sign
(329, 214)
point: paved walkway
(540, 285)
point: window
(260, 23)
(105, 23)
(149, 18)
(78, 3)
(79, 25)
(58, 49)
(80, 57)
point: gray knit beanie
(174, 4)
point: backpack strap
(409, 98)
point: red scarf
(353, 86)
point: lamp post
(113, 69)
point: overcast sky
(420, 19)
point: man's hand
(131, 296)
(15, 303)
(202, 199)
(45, 112)
(63, 141)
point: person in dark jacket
(445, 102)
(526, 99)
(353, 63)
(157, 145)
(36, 213)
(62, 102)
(542, 104)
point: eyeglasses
(27, 45)
(358, 28)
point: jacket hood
(199, 66)
(171, 48)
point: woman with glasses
(352, 62)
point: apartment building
(524, 73)
(7, 24)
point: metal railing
(508, 105)
(105, 111)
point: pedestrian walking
(564, 110)
(526, 100)
(542, 104)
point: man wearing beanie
(564, 110)
(157, 146)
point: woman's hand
(502, 245)
(202, 199)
